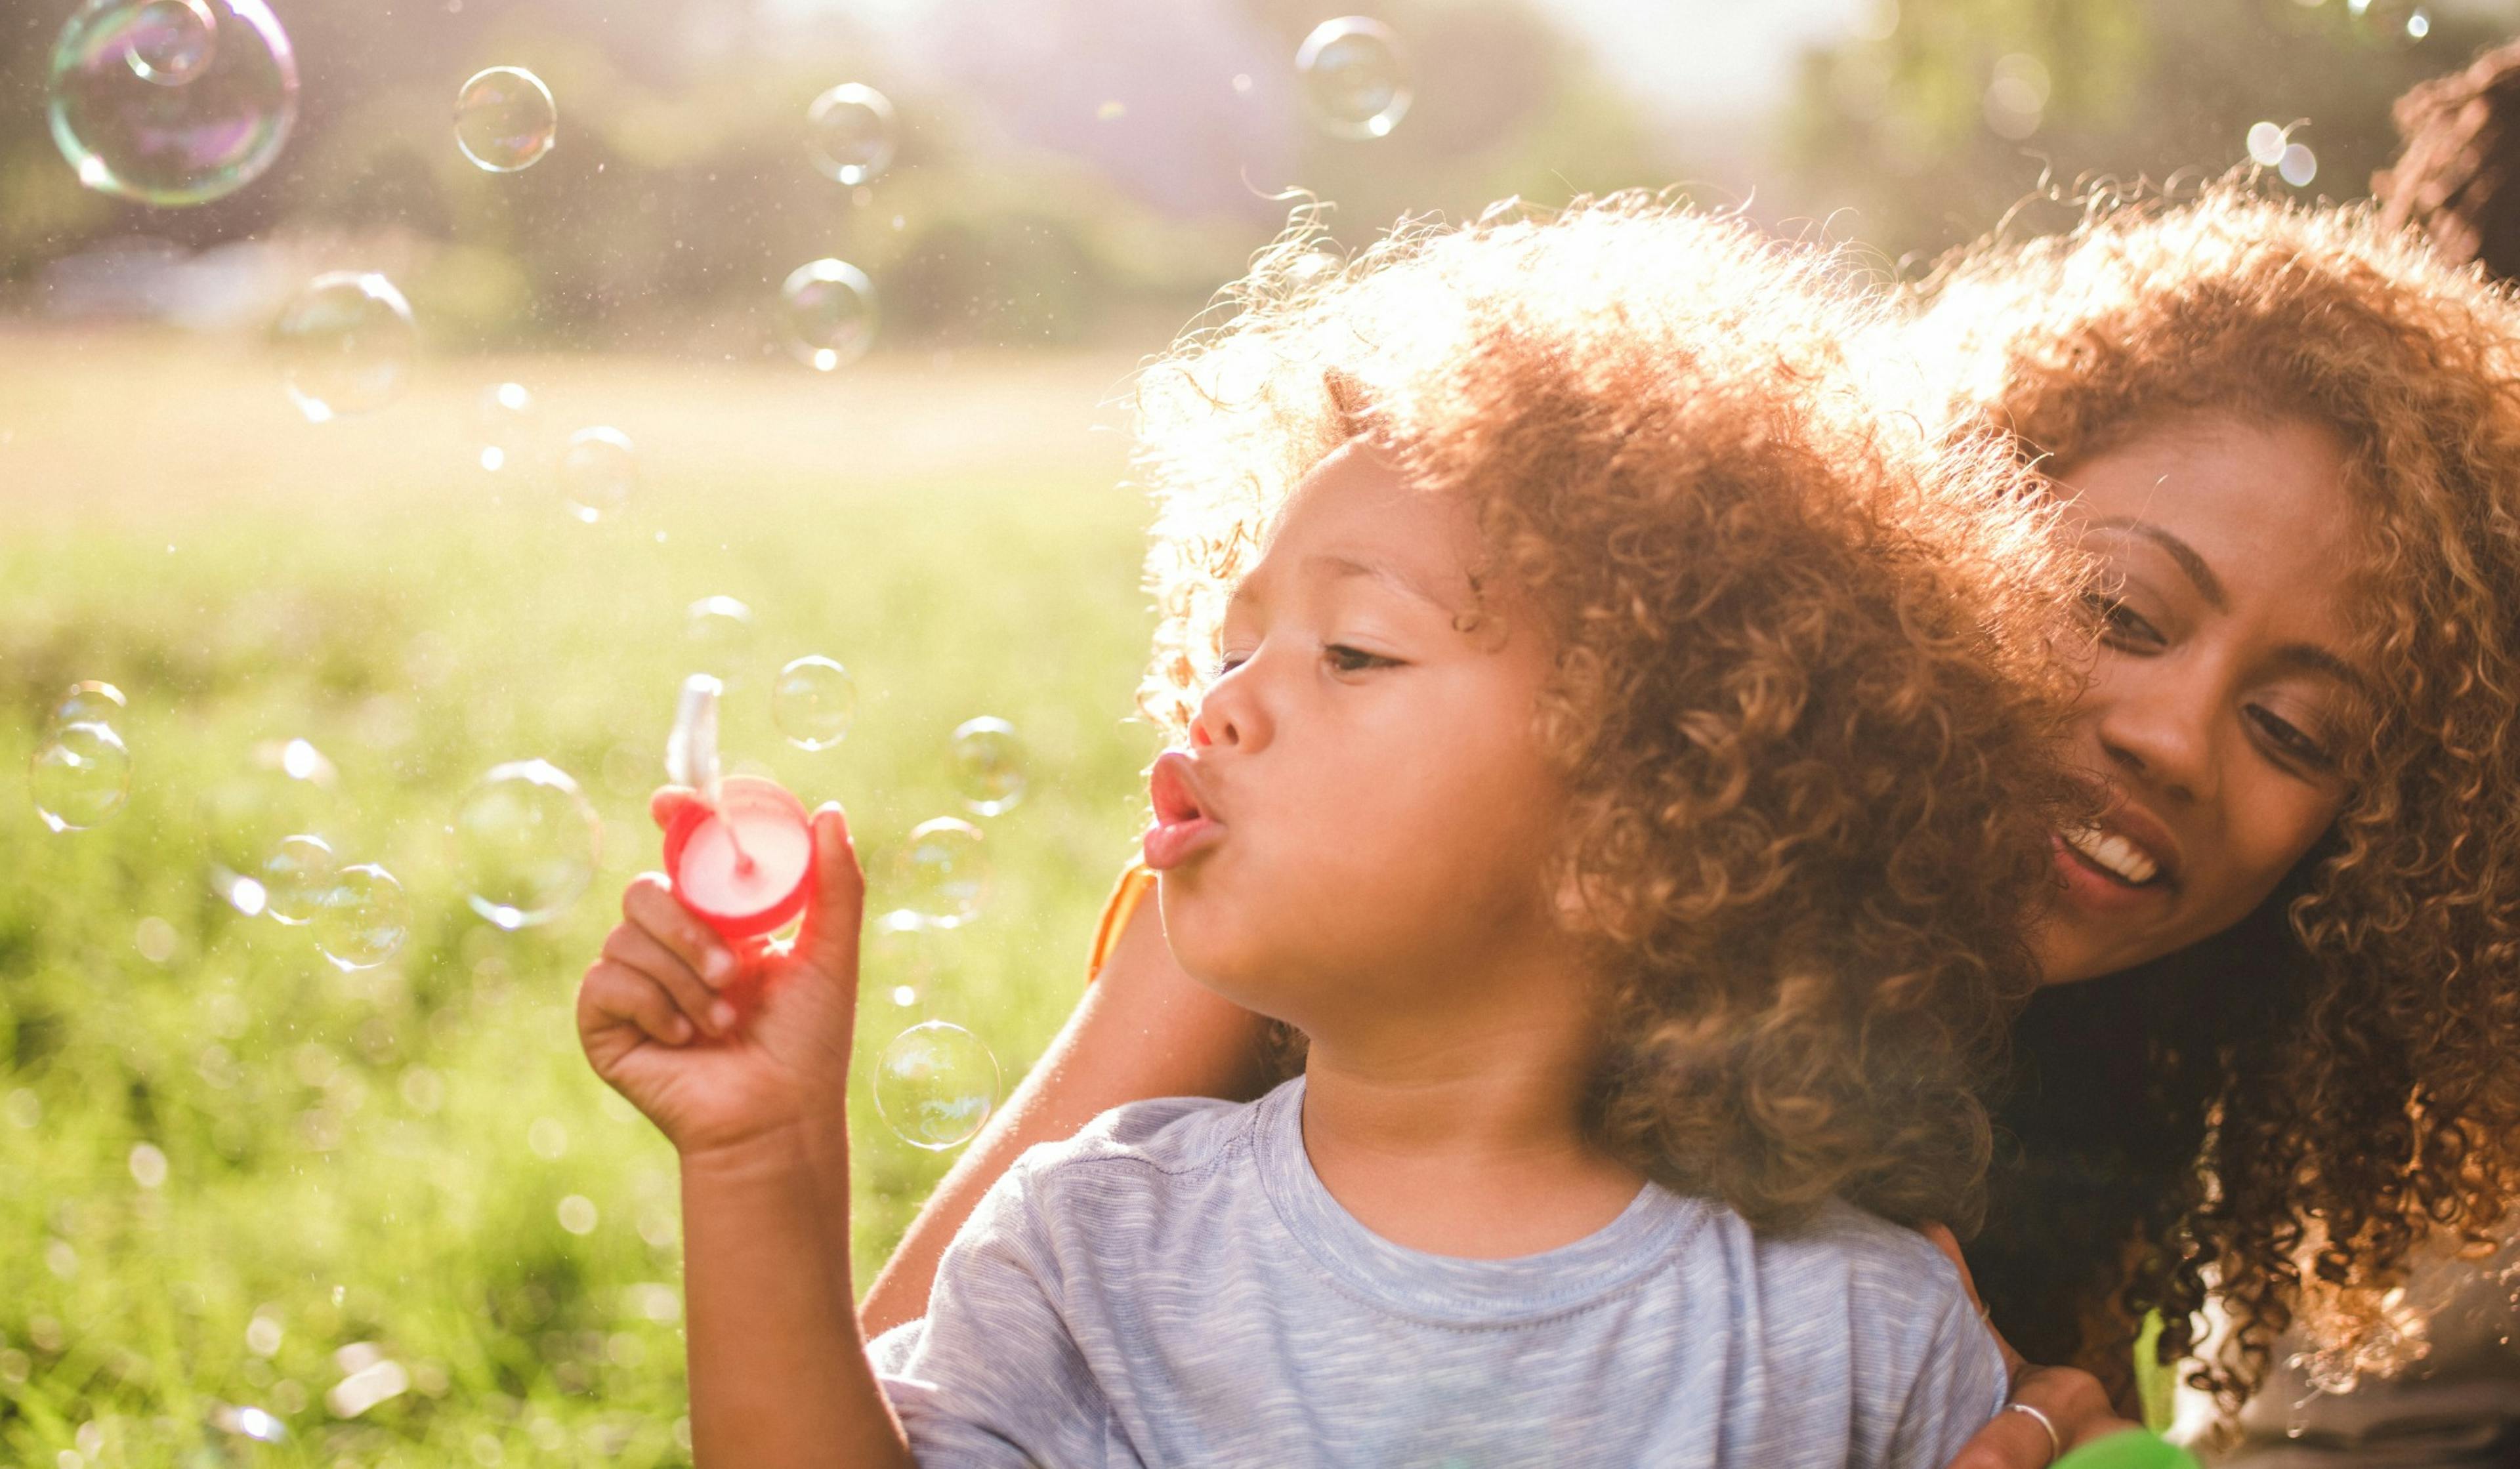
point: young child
(1624, 763)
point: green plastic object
(2136, 1449)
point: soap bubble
(1355, 76)
(2266, 144)
(361, 916)
(172, 40)
(813, 703)
(935, 1085)
(718, 630)
(849, 132)
(940, 876)
(599, 472)
(505, 422)
(349, 342)
(80, 776)
(295, 876)
(90, 702)
(988, 765)
(903, 956)
(527, 843)
(826, 314)
(2299, 165)
(134, 124)
(505, 119)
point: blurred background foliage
(1077, 170)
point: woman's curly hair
(2301, 1098)
(1806, 691)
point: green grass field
(372, 1164)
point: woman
(2292, 953)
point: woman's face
(2222, 705)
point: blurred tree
(1938, 117)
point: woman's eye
(1224, 667)
(1353, 660)
(2120, 621)
(2288, 738)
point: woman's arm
(2069, 1400)
(1143, 1029)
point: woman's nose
(2159, 730)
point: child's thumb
(833, 911)
(669, 800)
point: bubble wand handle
(690, 750)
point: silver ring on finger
(2056, 1445)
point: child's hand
(721, 1052)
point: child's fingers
(828, 939)
(649, 903)
(634, 947)
(612, 993)
(669, 800)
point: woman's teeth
(2114, 854)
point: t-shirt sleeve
(1961, 1383)
(990, 1378)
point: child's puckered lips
(1186, 818)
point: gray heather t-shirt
(1174, 1286)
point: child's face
(1383, 807)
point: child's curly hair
(1805, 690)
(2335, 1078)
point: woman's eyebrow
(2208, 585)
(2316, 659)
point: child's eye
(1354, 660)
(2120, 622)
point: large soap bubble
(935, 1085)
(940, 876)
(361, 916)
(988, 765)
(148, 103)
(826, 314)
(80, 776)
(300, 869)
(718, 632)
(528, 843)
(505, 119)
(1356, 76)
(849, 133)
(349, 342)
(89, 701)
(599, 473)
(814, 702)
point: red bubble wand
(741, 854)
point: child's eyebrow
(1339, 567)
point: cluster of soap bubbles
(2271, 147)
(936, 1083)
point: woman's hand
(723, 1051)
(2072, 1400)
